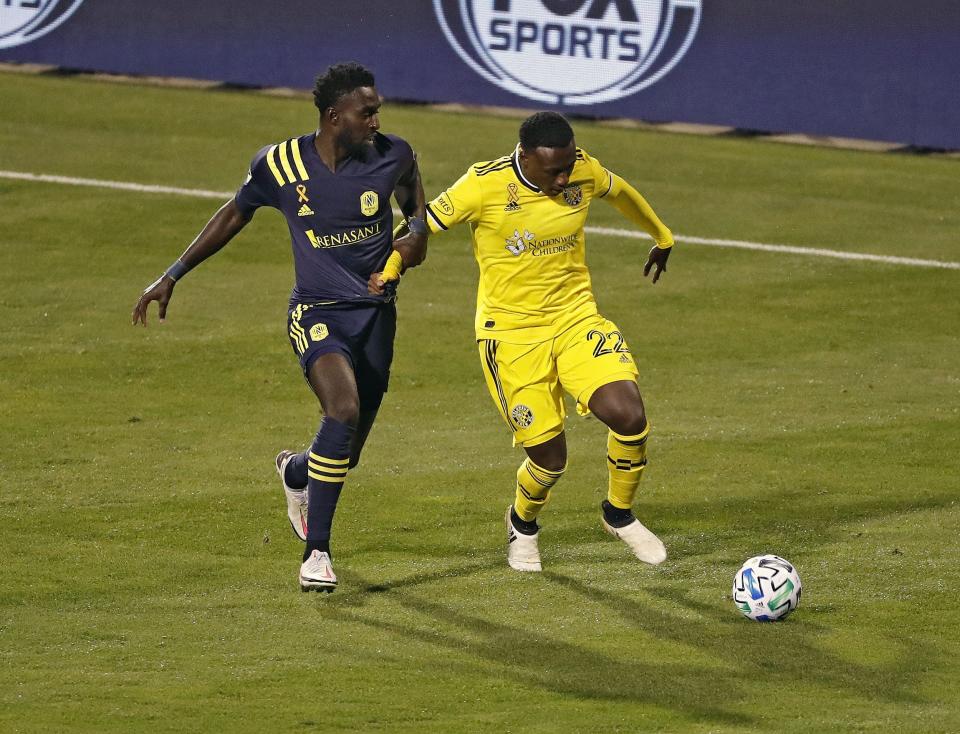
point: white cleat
(645, 545)
(523, 554)
(316, 573)
(296, 498)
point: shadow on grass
(533, 660)
(752, 655)
(802, 520)
(778, 654)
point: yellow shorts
(526, 381)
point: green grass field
(802, 406)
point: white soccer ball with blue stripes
(766, 588)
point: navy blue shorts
(363, 333)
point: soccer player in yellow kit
(537, 324)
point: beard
(355, 147)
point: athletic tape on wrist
(417, 226)
(391, 271)
(177, 270)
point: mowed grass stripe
(609, 231)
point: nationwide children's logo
(518, 243)
(23, 21)
(528, 242)
(570, 52)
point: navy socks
(327, 463)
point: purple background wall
(877, 69)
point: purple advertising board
(874, 69)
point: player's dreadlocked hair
(545, 130)
(338, 80)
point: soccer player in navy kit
(333, 187)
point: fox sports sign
(23, 21)
(570, 52)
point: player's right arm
(257, 190)
(221, 228)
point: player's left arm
(631, 204)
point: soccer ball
(766, 588)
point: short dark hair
(338, 80)
(545, 130)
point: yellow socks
(626, 460)
(533, 489)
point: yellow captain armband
(391, 271)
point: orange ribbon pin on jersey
(302, 194)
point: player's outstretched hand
(160, 291)
(658, 256)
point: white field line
(613, 232)
(121, 185)
(789, 249)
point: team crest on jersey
(319, 332)
(25, 21)
(573, 195)
(522, 416)
(570, 52)
(369, 203)
(518, 243)
(513, 198)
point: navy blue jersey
(340, 223)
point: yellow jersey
(530, 246)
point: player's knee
(557, 467)
(627, 420)
(555, 463)
(345, 409)
(552, 458)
